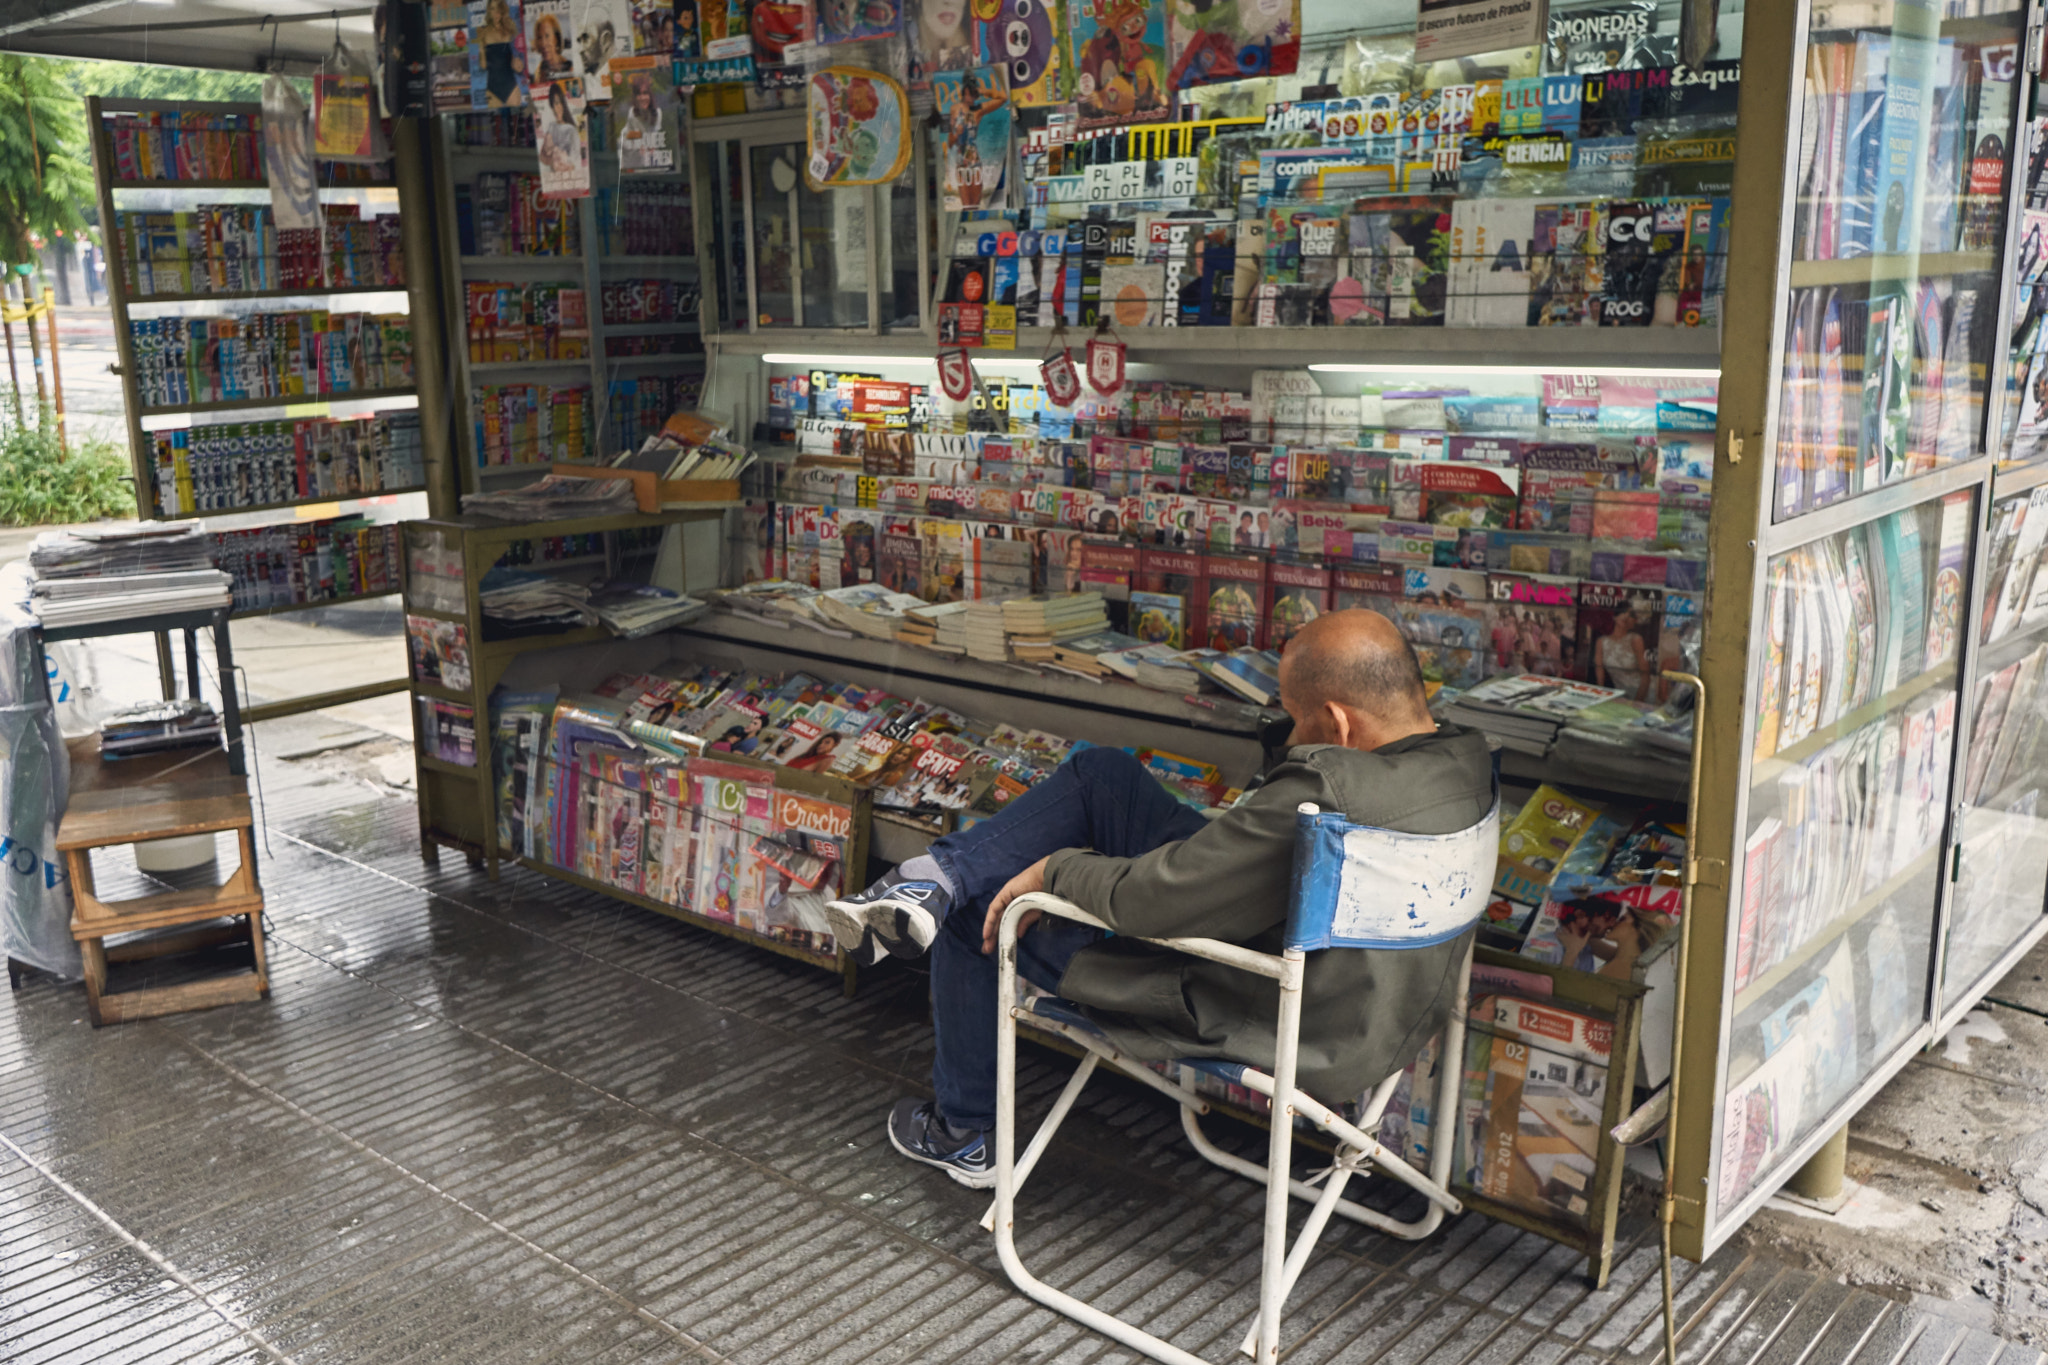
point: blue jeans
(1101, 799)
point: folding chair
(1343, 900)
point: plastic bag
(288, 157)
(73, 677)
(35, 771)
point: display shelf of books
(1833, 926)
(558, 296)
(179, 358)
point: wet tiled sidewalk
(517, 1121)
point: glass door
(1869, 222)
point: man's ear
(1340, 723)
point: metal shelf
(205, 512)
(292, 400)
(305, 292)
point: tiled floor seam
(155, 1257)
(332, 1130)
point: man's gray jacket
(1365, 1014)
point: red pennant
(1105, 365)
(1062, 380)
(956, 375)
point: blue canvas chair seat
(1355, 889)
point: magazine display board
(269, 367)
(1865, 845)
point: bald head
(1348, 677)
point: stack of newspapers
(83, 577)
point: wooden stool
(133, 801)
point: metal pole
(56, 370)
(35, 349)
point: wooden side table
(136, 800)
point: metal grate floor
(517, 1121)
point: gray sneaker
(896, 916)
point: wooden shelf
(1784, 967)
(438, 691)
(295, 400)
(646, 260)
(203, 513)
(653, 357)
(1112, 695)
(432, 615)
(308, 292)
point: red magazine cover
(1107, 567)
(1177, 573)
(1296, 594)
(1232, 617)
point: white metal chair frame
(1357, 1150)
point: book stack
(1037, 623)
(633, 610)
(982, 631)
(1084, 656)
(1524, 711)
(867, 609)
(952, 630)
(1178, 672)
(921, 624)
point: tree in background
(45, 161)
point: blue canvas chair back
(1359, 886)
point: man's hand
(1030, 879)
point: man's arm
(1228, 881)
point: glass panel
(834, 270)
(2004, 830)
(898, 258)
(775, 186)
(1897, 235)
(1855, 732)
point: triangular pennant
(1105, 365)
(1062, 380)
(956, 375)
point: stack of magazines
(159, 725)
(631, 610)
(108, 574)
(1524, 711)
(524, 603)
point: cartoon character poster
(859, 125)
(974, 109)
(853, 21)
(1023, 38)
(1231, 40)
(776, 26)
(942, 38)
(1120, 63)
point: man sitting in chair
(1102, 833)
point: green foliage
(41, 486)
(45, 179)
(128, 81)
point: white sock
(925, 868)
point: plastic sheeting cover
(35, 772)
